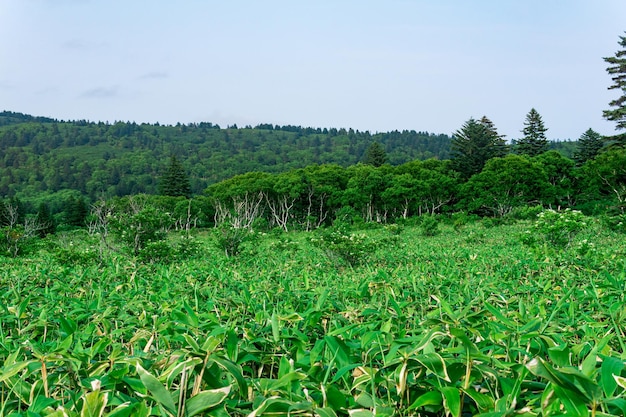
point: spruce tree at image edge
(617, 70)
(175, 182)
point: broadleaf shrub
(430, 225)
(558, 228)
(339, 243)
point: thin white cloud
(101, 92)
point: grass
(466, 322)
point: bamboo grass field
(477, 319)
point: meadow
(468, 319)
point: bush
(231, 239)
(187, 248)
(156, 252)
(558, 228)
(430, 225)
(339, 243)
(526, 212)
(615, 223)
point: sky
(368, 65)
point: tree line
(483, 175)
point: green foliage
(505, 184)
(45, 223)
(589, 145)
(232, 240)
(474, 144)
(137, 223)
(375, 155)
(102, 160)
(430, 225)
(558, 228)
(175, 182)
(617, 70)
(339, 243)
(615, 223)
(534, 141)
(526, 212)
(467, 323)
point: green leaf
(483, 402)
(271, 405)
(235, 371)
(205, 400)
(11, 370)
(360, 413)
(325, 412)
(157, 390)
(94, 404)
(429, 398)
(574, 403)
(569, 378)
(275, 328)
(127, 409)
(435, 364)
(621, 381)
(610, 367)
(452, 400)
(560, 355)
(40, 403)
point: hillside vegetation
(42, 155)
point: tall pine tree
(175, 182)
(617, 70)
(375, 155)
(589, 145)
(534, 141)
(474, 144)
(45, 221)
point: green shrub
(558, 228)
(430, 225)
(231, 239)
(156, 252)
(187, 247)
(615, 223)
(526, 212)
(339, 243)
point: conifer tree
(474, 144)
(534, 141)
(175, 182)
(375, 155)
(45, 222)
(589, 145)
(617, 70)
(76, 211)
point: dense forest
(293, 177)
(43, 156)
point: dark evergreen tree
(534, 141)
(76, 212)
(617, 70)
(175, 182)
(589, 145)
(45, 222)
(375, 155)
(474, 144)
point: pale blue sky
(368, 65)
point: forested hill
(40, 155)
